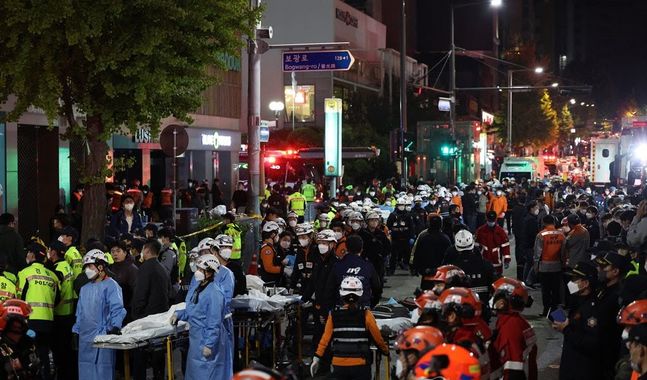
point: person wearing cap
(377, 245)
(549, 261)
(64, 311)
(403, 236)
(100, 311)
(612, 268)
(307, 258)
(222, 248)
(68, 236)
(637, 345)
(429, 249)
(577, 241)
(493, 242)
(40, 287)
(581, 348)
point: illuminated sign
(487, 118)
(216, 140)
(333, 143)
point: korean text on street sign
(320, 60)
(332, 143)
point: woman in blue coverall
(205, 311)
(100, 311)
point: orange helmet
(419, 338)
(513, 290)
(446, 273)
(463, 301)
(427, 300)
(633, 314)
(450, 362)
(13, 308)
(254, 374)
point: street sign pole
(333, 142)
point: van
(517, 168)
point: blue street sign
(321, 60)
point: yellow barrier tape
(202, 230)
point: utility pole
(452, 89)
(403, 91)
(508, 145)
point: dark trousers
(508, 219)
(520, 257)
(501, 222)
(66, 364)
(360, 372)
(400, 252)
(141, 360)
(550, 284)
(43, 345)
(480, 219)
(470, 221)
(320, 323)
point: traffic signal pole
(254, 118)
(403, 93)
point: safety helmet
(14, 309)
(271, 226)
(633, 314)
(344, 214)
(254, 374)
(446, 274)
(372, 215)
(513, 290)
(419, 339)
(94, 256)
(353, 205)
(303, 229)
(356, 216)
(208, 261)
(193, 254)
(351, 285)
(427, 300)
(205, 243)
(323, 217)
(448, 362)
(421, 188)
(463, 301)
(341, 206)
(292, 215)
(464, 240)
(281, 223)
(326, 235)
(223, 240)
(417, 198)
(402, 201)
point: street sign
(332, 139)
(318, 60)
(180, 141)
(264, 131)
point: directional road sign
(318, 60)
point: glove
(173, 319)
(506, 265)
(206, 351)
(411, 242)
(114, 331)
(314, 367)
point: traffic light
(409, 142)
(447, 149)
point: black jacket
(125, 273)
(530, 231)
(519, 214)
(376, 247)
(470, 203)
(429, 251)
(581, 351)
(354, 265)
(479, 271)
(240, 282)
(152, 290)
(317, 286)
(12, 246)
(608, 299)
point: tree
(108, 66)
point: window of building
(300, 104)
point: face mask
(573, 210)
(373, 223)
(535, 212)
(129, 206)
(602, 276)
(338, 235)
(499, 193)
(276, 238)
(408, 208)
(491, 224)
(323, 248)
(199, 276)
(225, 253)
(399, 369)
(479, 192)
(371, 193)
(589, 215)
(573, 287)
(285, 244)
(400, 208)
(193, 266)
(454, 193)
(292, 223)
(90, 273)
(304, 242)
(61, 239)
(355, 226)
(625, 334)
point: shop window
(300, 103)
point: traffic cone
(253, 265)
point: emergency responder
(446, 276)
(323, 221)
(350, 329)
(8, 281)
(232, 229)
(515, 342)
(40, 287)
(309, 191)
(581, 349)
(377, 245)
(337, 226)
(64, 311)
(208, 356)
(629, 316)
(297, 203)
(429, 249)
(224, 244)
(428, 309)
(419, 215)
(402, 230)
(100, 311)
(637, 344)
(456, 199)
(549, 261)
(68, 236)
(18, 357)
(499, 205)
(353, 265)
(448, 362)
(270, 268)
(479, 271)
(411, 344)
(493, 242)
(577, 241)
(307, 258)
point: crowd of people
(583, 247)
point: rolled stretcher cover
(257, 301)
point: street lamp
(496, 3)
(277, 107)
(573, 101)
(554, 84)
(537, 70)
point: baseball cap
(58, 246)
(70, 231)
(584, 270)
(638, 334)
(491, 215)
(614, 258)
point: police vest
(309, 191)
(66, 305)
(234, 231)
(7, 287)
(297, 203)
(41, 285)
(350, 338)
(73, 257)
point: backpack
(388, 311)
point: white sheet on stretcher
(153, 326)
(392, 326)
(257, 301)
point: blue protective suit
(100, 309)
(206, 318)
(225, 278)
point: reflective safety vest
(73, 257)
(350, 337)
(66, 278)
(179, 246)
(297, 203)
(166, 197)
(234, 231)
(309, 191)
(7, 286)
(38, 286)
(635, 269)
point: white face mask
(323, 248)
(400, 208)
(454, 193)
(193, 266)
(573, 287)
(225, 253)
(399, 369)
(566, 229)
(199, 276)
(535, 212)
(408, 208)
(129, 206)
(292, 223)
(304, 242)
(371, 193)
(355, 226)
(373, 223)
(338, 235)
(285, 244)
(589, 215)
(90, 273)
(625, 334)
(479, 192)
(61, 239)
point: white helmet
(421, 188)
(292, 215)
(367, 202)
(373, 215)
(346, 213)
(417, 198)
(205, 243)
(304, 229)
(352, 205)
(323, 217)
(93, 256)
(271, 226)
(223, 240)
(402, 201)
(341, 206)
(464, 240)
(326, 235)
(282, 224)
(208, 261)
(355, 216)
(351, 285)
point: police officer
(39, 286)
(430, 247)
(297, 203)
(402, 230)
(377, 245)
(310, 193)
(581, 349)
(233, 229)
(72, 255)
(419, 215)
(8, 281)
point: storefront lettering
(346, 17)
(230, 62)
(142, 136)
(216, 140)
